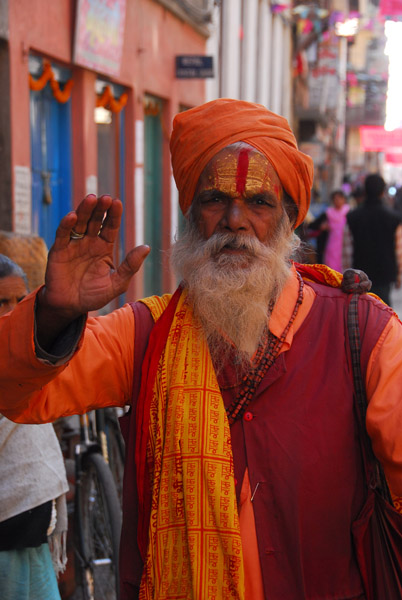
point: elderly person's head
(13, 284)
(243, 186)
(200, 133)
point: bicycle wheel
(98, 521)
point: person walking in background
(33, 513)
(329, 231)
(373, 239)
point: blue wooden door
(50, 162)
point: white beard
(231, 292)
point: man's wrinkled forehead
(240, 169)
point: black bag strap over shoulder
(374, 471)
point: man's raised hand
(80, 274)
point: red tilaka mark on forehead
(242, 170)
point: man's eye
(212, 200)
(261, 201)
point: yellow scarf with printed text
(194, 545)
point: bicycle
(96, 513)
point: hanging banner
(323, 77)
(99, 35)
(391, 8)
(377, 139)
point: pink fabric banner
(391, 8)
(394, 157)
(377, 139)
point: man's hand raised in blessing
(80, 274)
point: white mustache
(218, 241)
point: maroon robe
(299, 440)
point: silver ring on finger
(74, 235)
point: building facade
(340, 84)
(89, 95)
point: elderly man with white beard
(234, 272)
(244, 473)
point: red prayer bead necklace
(268, 350)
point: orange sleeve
(98, 374)
(384, 396)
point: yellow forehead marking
(243, 172)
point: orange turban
(201, 132)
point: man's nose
(235, 217)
